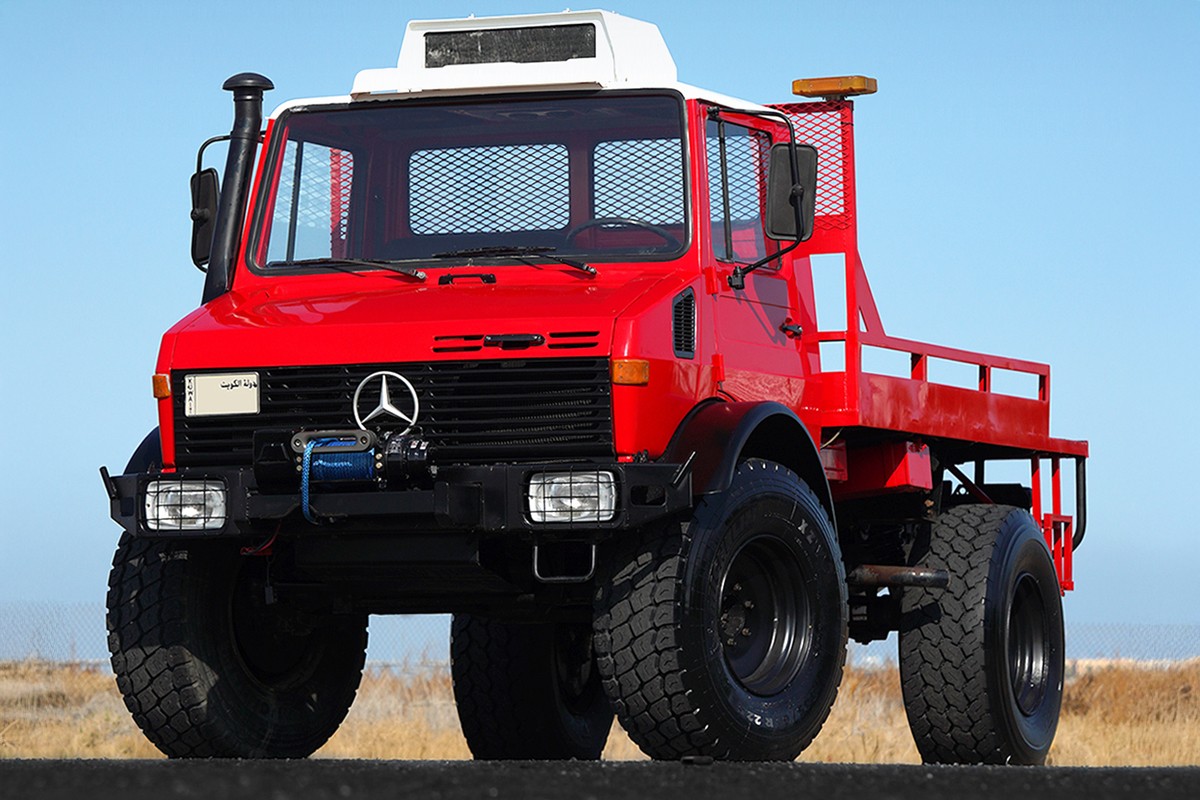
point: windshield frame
(271, 162)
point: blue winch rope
(343, 466)
(331, 467)
(304, 470)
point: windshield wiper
(336, 263)
(520, 253)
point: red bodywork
(742, 352)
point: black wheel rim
(766, 616)
(1028, 646)
(574, 667)
(276, 648)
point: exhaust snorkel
(247, 88)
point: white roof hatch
(573, 49)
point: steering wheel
(624, 222)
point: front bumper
(488, 499)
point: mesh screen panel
(747, 154)
(489, 189)
(312, 207)
(640, 179)
(341, 172)
(826, 127)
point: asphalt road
(444, 780)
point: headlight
(572, 497)
(185, 505)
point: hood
(386, 321)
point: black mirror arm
(737, 280)
(203, 147)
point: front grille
(472, 412)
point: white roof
(688, 91)
(622, 53)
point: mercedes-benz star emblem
(385, 406)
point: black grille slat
(471, 412)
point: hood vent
(574, 340)
(458, 344)
(474, 342)
(683, 324)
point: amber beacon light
(834, 88)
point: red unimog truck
(524, 330)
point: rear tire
(981, 662)
(209, 670)
(528, 691)
(727, 637)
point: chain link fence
(75, 632)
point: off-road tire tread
(636, 644)
(637, 652)
(160, 688)
(163, 685)
(943, 675)
(483, 692)
(495, 695)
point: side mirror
(783, 193)
(205, 192)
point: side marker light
(162, 386)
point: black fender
(148, 455)
(717, 436)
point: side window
(737, 184)
(311, 218)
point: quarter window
(312, 204)
(737, 184)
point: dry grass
(1115, 714)
(56, 711)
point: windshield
(598, 177)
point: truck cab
(524, 330)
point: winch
(330, 456)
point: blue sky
(1027, 187)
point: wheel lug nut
(748, 604)
(745, 631)
(737, 587)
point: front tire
(209, 670)
(528, 691)
(981, 661)
(727, 637)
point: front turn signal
(162, 386)
(630, 371)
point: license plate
(213, 395)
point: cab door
(756, 333)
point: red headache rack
(990, 423)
